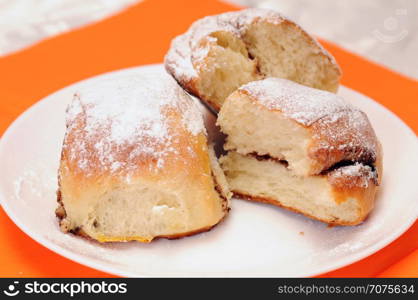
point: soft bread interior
(270, 181)
(137, 211)
(251, 128)
(226, 68)
(285, 52)
(265, 50)
(142, 209)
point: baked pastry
(301, 148)
(135, 163)
(220, 53)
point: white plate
(255, 239)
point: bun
(301, 148)
(220, 53)
(135, 163)
(311, 129)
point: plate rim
(80, 259)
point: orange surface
(138, 36)
(407, 267)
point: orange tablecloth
(141, 35)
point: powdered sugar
(300, 103)
(192, 118)
(113, 122)
(125, 106)
(357, 174)
(339, 130)
(179, 58)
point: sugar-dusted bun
(342, 196)
(311, 129)
(220, 53)
(301, 148)
(135, 163)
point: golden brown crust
(379, 163)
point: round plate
(255, 240)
